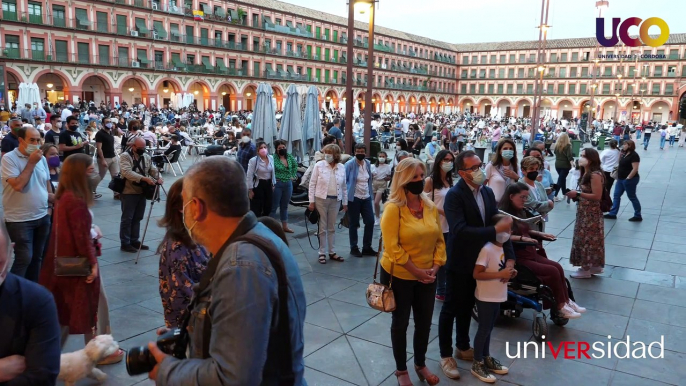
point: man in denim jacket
(242, 297)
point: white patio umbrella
(264, 115)
(312, 124)
(291, 123)
(23, 96)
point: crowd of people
(453, 225)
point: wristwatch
(578, 193)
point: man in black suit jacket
(469, 208)
(29, 330)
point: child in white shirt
(381, 173)
(491, 277)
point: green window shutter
(142, 28)
(122, 28)
(318, 32)
(101, 22)
(221, 66)
(309, 74)
(309, 52)
(104, 55)
(206, 63)
(37, 49)
(335, 36)
(190, 39)
(61, 53)
(159, 29)
(203, 36)
(319, 75)
(326, 76)
(142, 56)
(82, 21)
(83, 52)
(327, 54)
(319, 53)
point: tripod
(155, 198)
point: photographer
(138, 170)
(243, 342)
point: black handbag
(69, 266)
(312, 216)
(117, 184)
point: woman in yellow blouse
(414, 250)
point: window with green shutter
(255, 69)
(37, 49)
(327, 54)
(58, 16)
(319, 75)
(122, 27)
(9, 10)
(318, 32)
(203, 36)
(101, 21)
(500, 89)
(327, 79)
(561, 89)
(142, 57)
(61, 53)
(335, 36)
(175, 33)
(160, 32)
(82, 21)
(103, 55)
(189, 34)
(35, 13)
(572, 89)
(83, 52)
(124, 57)
(335, 76)
(318, 55)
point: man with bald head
(26, 197)
(241, 336)
(137, 169)
(29, 330)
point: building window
(101, 21)
(465, 60)
(472, 88)
(61, 53)
(9, 10)
(37, 49)
(82, 21)
(572, 72)
(510, 73)
(564, 57)
(464, 74)
(83, 50)
(575, 56)
(463, 89)
(509, 89)
(103, 55)
(561, 89)
(572, 89)
(563, 72)
(582, 89)
(58, 16)
(490, 88)
(35, 13)
(500, 89)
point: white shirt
(381, 172)
(609, 159)
(406, 125)
(31, 203)
(362, 182)
(494, 291)
(479, 201)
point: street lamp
(600, 5)
(540, 57)
(131, 89)
(363, 7)
(617, 105)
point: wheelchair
(526, 291)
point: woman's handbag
(614, 173)
(380, 296)
(67, 265)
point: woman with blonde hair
(563, 162)
(414, 251)
(328, 190)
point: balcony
(295, 31)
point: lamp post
(616, 107)
(363, 7)
(542, 37)
(600, 5)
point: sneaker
(137, 244)
(128, 248)
(449, 367)
(96, 195)
(377, 221)
(610, 216)
(557, 199)
(440, 298)
(480, 371)
(494, 366)
(466, 355)
(355, 252)
(636, 219)
(568, 313)
(597, 270)
(369, 252)
(581, 274)
(577, 308)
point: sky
(478, 21)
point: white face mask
(502, 237)
(382, 160)
(328, 158)
(183, 219)
(30, 148)
(398, 148)
(447, 166)
(245, 139)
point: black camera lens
(139, 360)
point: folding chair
(174, 160)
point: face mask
(140, 151)
(108, 125)
(415, 187)
(508, 154)
(478, 177)
(382, 160)
(263, 152)
(54, 161)
(583, 162)
(398, 148)
(282, 152)
(532, 175)
(502, 237)
(183, 219)
(434, 142)
(447, 166)
(359, 157)
(328, 158)
(31, 148)
(245, 139)
(73, 128)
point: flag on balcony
(198, 15)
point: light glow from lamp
(328, 98)
(131, 89)
(223, 93)
(248, 94)
(196, 92)
(166, 90)
(49, 85)
(362, 6)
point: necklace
(419, 213)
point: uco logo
(624, 31)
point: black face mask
(282, 152)
(73, 128)
(415, 187)
(532, 175)
(360, 157)
(140, 151)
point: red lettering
(569, 347)
(583, 350)
(553, 351)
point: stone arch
(134, 89)
(56, 93)
(173, 85)
(102, 78)
(484, 99)
(253, 85)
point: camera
(139, 360)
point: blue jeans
(671, 140)
(488, 313)
(646, 141)
(494, 144)
(628, 186)
(440, 276)
(29, 238)
(662, 142)
(617, 138)
(638, 134)
(280, 199)
(355, 208)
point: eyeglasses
(476, 167)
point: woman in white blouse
(502, 170)
(609, 160)
(261, 181)
(327, 192)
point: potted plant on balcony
(241, 15)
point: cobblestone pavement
(642, 294)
